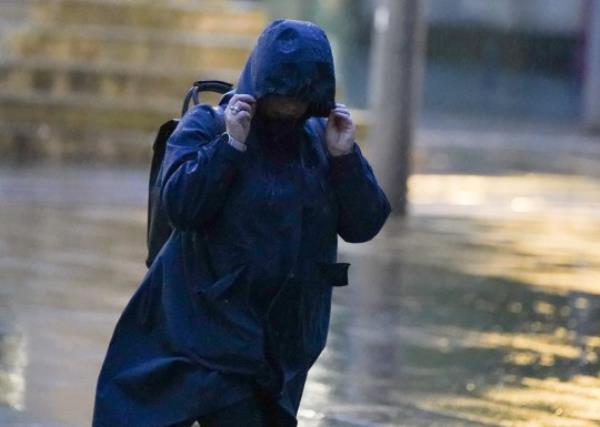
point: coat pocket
(334, 273)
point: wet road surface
(483, 308)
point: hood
(292, 58)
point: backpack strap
(203, 86)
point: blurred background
(477, 304)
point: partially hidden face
(282, 107)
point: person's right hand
(238, 115)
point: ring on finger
(234, 109)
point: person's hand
(340, 131)
(238, 115)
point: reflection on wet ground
(483, 308)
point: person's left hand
(340, 131)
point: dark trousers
(253, 412)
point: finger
(240, 97)
(340, 111)
(340, 107)
(242, 106)
(244, 98)
(342, 119)
(243, 115)
(343, 114)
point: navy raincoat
(239, 297)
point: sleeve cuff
(346, 165)
(228, 150)
(236, 144)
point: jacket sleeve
(363, 206)
(198, 169)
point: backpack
(158, 228)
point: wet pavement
(482, 308)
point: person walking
(234, 310)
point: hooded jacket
(239, 297)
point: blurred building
(80, 78)
(507, 58)
(532, 16)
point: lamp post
(395, 82)
(591, 88)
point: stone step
(49, 77)
(204, 16)
(78, 127)
(84, 111)
(56, 142)
(100, 46)
(120, 113)
(97, 78)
